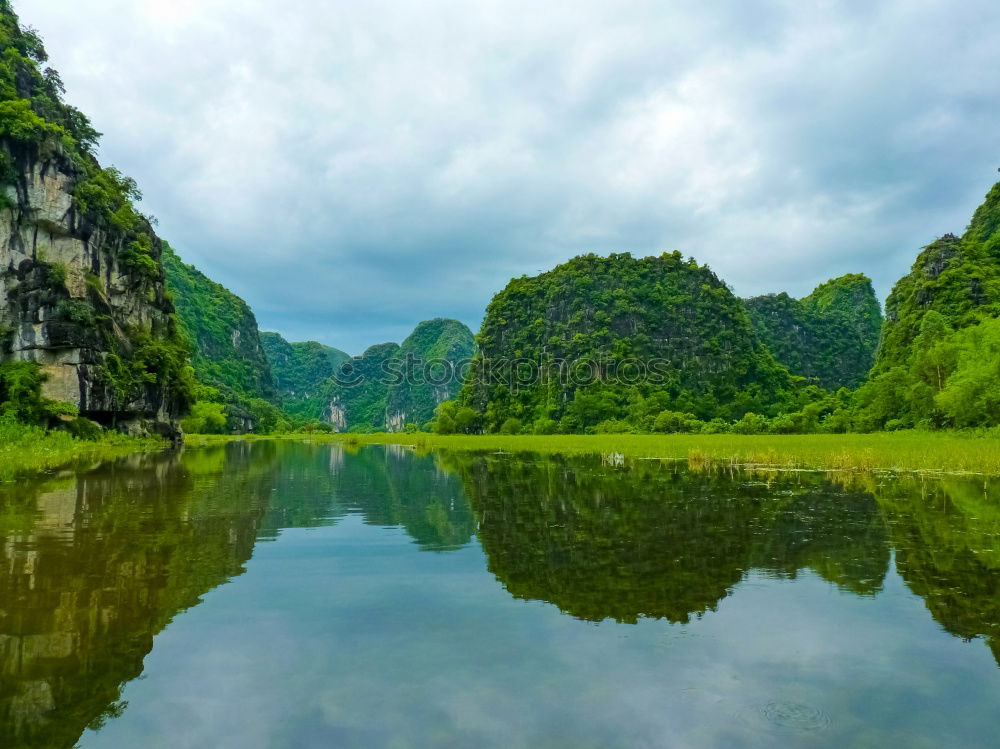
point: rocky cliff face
(69, 303)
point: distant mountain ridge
(301, 372)
(386, 388)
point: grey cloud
(351, 169)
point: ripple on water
(795, 715)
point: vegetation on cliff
(389, 387)
(226, 353)
(433, 360)
(939, 361)
(302, 372)
(356, 399)
(603, 341)
(829, 337)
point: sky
(351, 168)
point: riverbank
(928, 452)
(26, 450)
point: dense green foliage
(31, 106)
(829, 337)
(612, 342)
(21, 395)
(939, 361)
(301, 373)
(227, 354)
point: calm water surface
(295, 595)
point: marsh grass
(26, 450)
(927, 452)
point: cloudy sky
(351, 168)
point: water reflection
(93, 566)
(946, 534)
(656, 540)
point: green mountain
(439, 350)
(938, 364)
(602, 339)
(386, 388)
(226, 350)
(829, 336)
(357, 399)
(85, 322)
(301, 373)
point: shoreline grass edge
(924, 452)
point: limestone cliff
(70, 303)
(81, 282)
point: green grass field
(25, 450)
(953, 452)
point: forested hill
(392, 387)
(607, 311)
(829, 336)
(939, 361)
(438, 350)
(302, 372)
(226, 350)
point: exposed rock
(67, 302)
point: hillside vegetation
(226, 353)
(939, 361)
(301, 373)
(560, 351)
(829, 337)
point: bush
(613, 426)
(205, 418)
(450, 418)
(674, 421)
(751, 423)
(716, 426)
(84, 429)
(77, 311)
(545, 426)
(511, 426)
